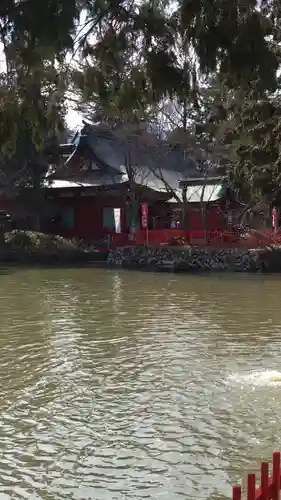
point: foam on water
(260, 378)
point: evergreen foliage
(210, 67)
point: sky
(73, 119)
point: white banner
(117, 220)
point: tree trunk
(184, 209)
(184, 116)
(204, 216)
(134, 211)
(37, 201)
(133, 195)
(203, 206)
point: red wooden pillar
(264, 480)
(251, 489)
(236, 493)
(276, 476)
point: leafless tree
(202, 163)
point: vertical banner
(144, 216)
(117, 219)
(274, 218)
(144, 219)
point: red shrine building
(93, 191)
(102, 184)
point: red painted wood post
(251, 487)
(269, 486)
(236, 493)
(264, 480)
(276, 475)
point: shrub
(22, 239)
(43, 245)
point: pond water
(127, 385)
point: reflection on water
(136, 385)
(266, 377)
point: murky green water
(126, 385)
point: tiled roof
(107, 153)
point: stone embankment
(194, 259)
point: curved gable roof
(105, 157)
(156, 168)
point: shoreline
(179, 259)
(157, 258)
(34, 260)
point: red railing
(269, 488)
(118, 240)
(197, 237)
(160, 236)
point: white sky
(73, 119)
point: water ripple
(126, 385)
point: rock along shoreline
(196, 259)
(31, 248)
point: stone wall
(196, 259)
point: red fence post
(236, 493)
(269, 486)
(251, 489)
(276, 475)
(264, 480)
